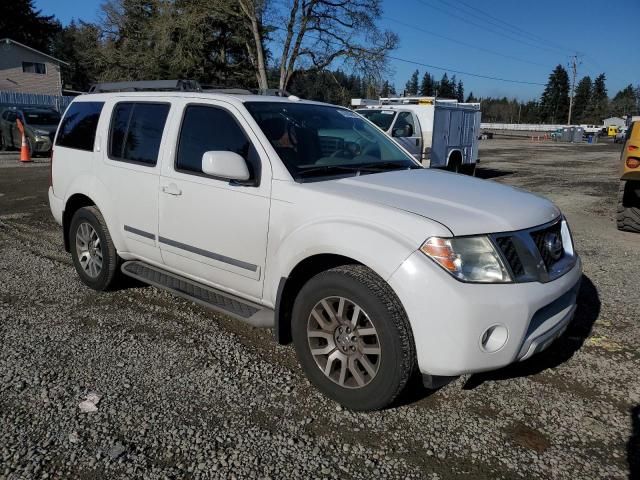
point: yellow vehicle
(628, 217)
(612, 130)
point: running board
(249, 312)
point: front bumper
(449, 318)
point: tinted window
(207, 129)
(136, 131)
(78, 128)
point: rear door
(213, 229)
(131, 170)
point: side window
(405, 121)
(136, 131)
(206, 128)
(78, 127)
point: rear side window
(136, 131)
(206, 128)
(78, 128)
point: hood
(465, 205)
(45, 128)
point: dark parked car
(40, 126)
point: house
(25, 69)
(614, 121)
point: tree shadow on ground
(561, 350)
(633, 445)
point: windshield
(318, 140)
(382, 118)
(35, 117)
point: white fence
(20, 98)
(527, 127)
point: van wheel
(628, 217)
(92, 249)
(352, 337)
(468, 169)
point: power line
(492, 52)
(502, 34)
(422, 64)
(516, 29)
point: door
(131, 170)
(213, 229)
(455, 128)
(440, 139)
(406, 131)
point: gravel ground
(138, 383)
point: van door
(406, 131)
(440, 139)
(212, 229)
(131, 170)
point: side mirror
(223, 164)
(405, 131)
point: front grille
(511, 255)
(539, 238)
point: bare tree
(317, 33)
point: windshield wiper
(384, 166)
(327, 169)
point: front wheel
(352, 337)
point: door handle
(171, 189)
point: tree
(581, 99)
(316, 34)
(20, 21)
(460, 91)
(79, 44)
(427, 85)
(625, 102)
(411, 87)
(471, 98)
(445, 88)
(598, 106)
(554, 103)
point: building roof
(8, 41)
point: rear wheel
(92, 249)
(352, 337)
(628, 215)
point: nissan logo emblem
(553, 244)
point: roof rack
(147, 86)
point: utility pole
(574, 73)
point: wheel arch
(290, 286)
(73, 204)
(455, 156)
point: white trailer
(438, 132)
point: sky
(512, 40)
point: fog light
(494, 338)
(633, 162)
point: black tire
(397, 359)
(468, 169)
(628, 215)
(107, 274)
(454, 166)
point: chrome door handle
(171, 189)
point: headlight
(470, 259)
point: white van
(305, 218)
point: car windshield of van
(319, 141)
(41, 117)
(382, 118)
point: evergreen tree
(625, 102)
(460, 91)
(471, 98)
(427, 85)
(554, 103)
(386, 89)
(20, 21)
(581, 99)
(412, 85)
(598, 107)
(445, 88)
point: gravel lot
(188, 393)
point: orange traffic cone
(25, 154)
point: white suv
(306, 218)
